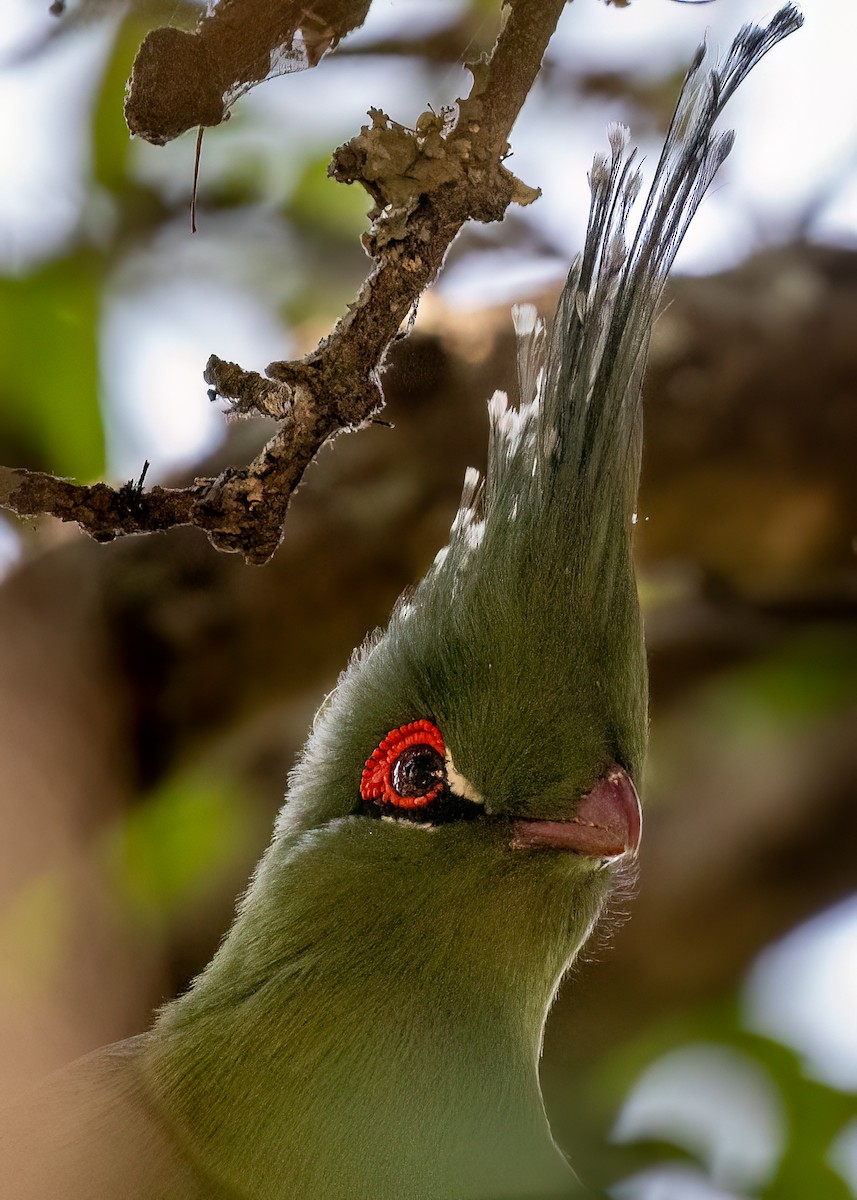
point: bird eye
(408, 768)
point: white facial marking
(457, 782)
(426, 825)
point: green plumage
(371, 1025)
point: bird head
(505, 703)
(504, 706)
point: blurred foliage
(814, 1113)
(50, 417)
(321, 206)
(815, 674)
(175, 847)
(33, 928)
(166, 858)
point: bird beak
(608, 822)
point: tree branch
(104, 512)
(426, 183)
(181, 79)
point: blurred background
(154, 693)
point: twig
(426, 183)
(104, 512)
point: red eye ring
(376, 783)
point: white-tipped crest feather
(572, 446)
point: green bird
(371, 1025)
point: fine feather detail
(572, 446)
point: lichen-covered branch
(181, 79)
(426, 183)
(104, 512)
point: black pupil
(417, 770)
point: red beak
(608, 822)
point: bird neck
(355, 1040)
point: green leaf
(322, 206)
(111, 141)
(816, 674)
(49, 413)
(177, 845)
(815, 1114)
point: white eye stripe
(459, 784)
